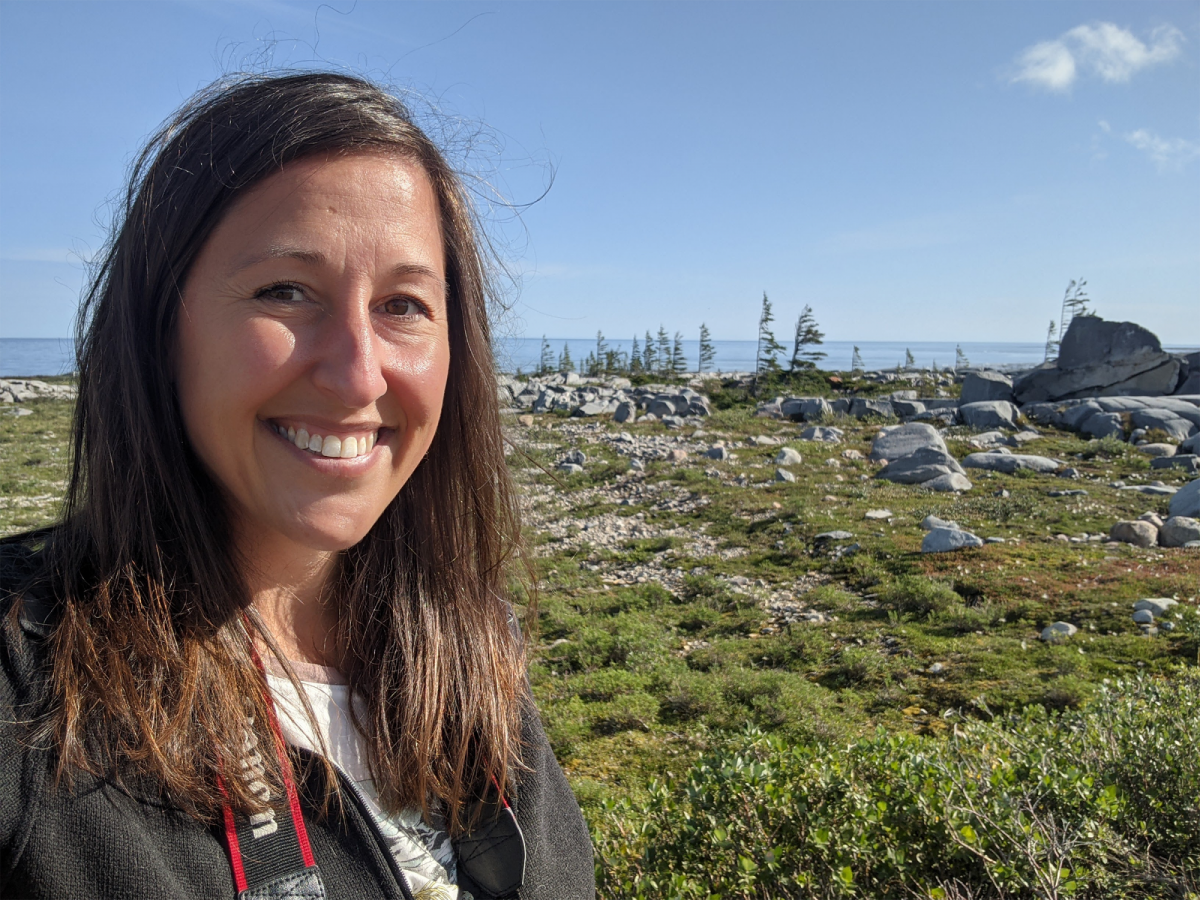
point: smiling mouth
(332, 446)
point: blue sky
(914, 171)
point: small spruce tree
(635, 358)
(960, 358)
(807, 338)
(707, 353)
(678, 359)
(767, 360)
(601, 354)
(664, 351)
(856, 361)
(565, 363)
(649, 357)
(1051, 343)
(909, 359)
(546, 363)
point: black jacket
(103, 841)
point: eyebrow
(316, 258)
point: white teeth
(301, 439)
(291, 434)
(371, 441)
(315, 443)
(332, 446)
(349, 448)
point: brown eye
(404, 307)
(281, 293)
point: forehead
(338, 198)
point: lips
(346, 445)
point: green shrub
(1095, 803)
(918, 595)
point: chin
(331, 535)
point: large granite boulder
(805, 409)
(1186, 501)
(917, 468)
(1101, 358)
(861, 407)
(1179, 428)
(989, 414)
(1008, 463)
(904, 440)
(1179, 530)
(978, 387)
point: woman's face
(312, 348)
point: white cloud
(1105, 127)
(1168, 153)
(1105, 50)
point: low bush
(918, 596)
(1100, 802)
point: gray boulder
(860, 408)
(719, 452)
(1008, 463)
(951, 482)
(805, 408)
(570, 468)
(1178, 530)
(784, 475)
(944, 540)
(1186, 501)
(1143, 617)
(1057, 631)
(1156, 606)
(978, 387)
(1137, 532)
(931, 522)
(626, 411)
(661, 406)
(1097, 358)
(904, 440)
(989, 414)
(575, 457)
(1103, 425)
(1156, 451)
(917, 468)
(788, 457)
(907, 409)
(827, 434)
(1191, 445)
(1178, 428)
(591, 408)
(1189, 462)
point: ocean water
(31, 357)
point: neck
(286, 584)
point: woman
(267, 652)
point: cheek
(419, 378)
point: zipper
(373, 825)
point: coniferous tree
(960, 358)
(909, 359)
(1051, 343)
(678, 359)
(565, 363)
(807, 337)
(707, 352)
(635, 358)
(856, 361)
(546, 362)
(649, 357)
(767, 361)
(664, 351)
(601, 353)
(590, 367)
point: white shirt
(422, 851)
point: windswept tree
(960, 358)
(678, 358)
(1075, 303)
(649, 357)
(909, 359)
(601, 354)
(1051, 343)
(767, 356)
(856, 361)
(664, 351)
(565, 363)
(635, 358)
(546, 362)
(707, 353)
(808, 337)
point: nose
(349, 366)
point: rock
(676, 455)
(833, 536)
(903, 440)
(1066, 493)
(1157, 451)
(1176, 427)
(944, 540)
(951, 482)
(860, 408)
(1189, 462)
(784, 475)
(907, 409)
(851, 453)
(1179, 530)
(525, 421)
(989, 437)
(570, 468)
(983, 386)
(877, 514)
(788, 457)
(672, 421)
(989, 414)
(1186, 501)
(1140, 534)
(936, 669)
(626, 411)
(591, 408)
(919, 467)
(1097, 357)
(1191, 445)
(661, 407)
(1156, 606)
(1009, 462)
(637, 465)
(1103, 425)
(720, 452)
(1158, 490)
(805, 408)
(577, 457)
(1153, 518)
(931, 522)
(1070, 472)
(1057, 631)
(828, 434)
(1143, 617)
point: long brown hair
(153, 667)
